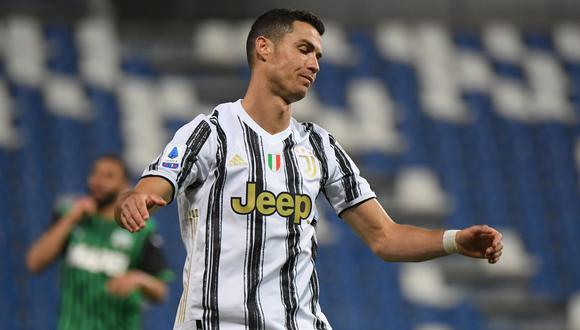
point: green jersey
(98, 250)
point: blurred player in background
(246, 178)
(106, 271)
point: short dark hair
(117, 159)
(274, 23)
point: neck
(269, 111)
(107, 212)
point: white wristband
(449, 243)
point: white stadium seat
(418, 191)
(433, 326)
(503, 42)
(25, 51)
(435, 61)
(142, 124)
(213, 41)
(394, 41)
(511, 100)
(64, 96)
(336, 48)
(567, 41)
(178, 98)
(375, 116)
(474, 72)
(99, 59)
(8, 133)
(424, 283)
(574, 312)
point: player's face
(294, 62)
(106, 181)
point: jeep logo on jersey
(266, 203)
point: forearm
(409, 243)
(50, 244)
(154, 288)
(392, 241)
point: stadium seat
(99, 54)
(215, 40)
(394, 41)
(567, 41)
(62, 54)
(376, 117)
(503, 42)
(417, 191)
(573, 312)
(424, 284)
(142, 125)
(25, 51)
(8, 132)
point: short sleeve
(153, 260)
(187, 158)
(344, 187)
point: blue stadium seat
(106, 125)
(62, 52)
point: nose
(313, 64)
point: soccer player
(106, 271)
(246, 177)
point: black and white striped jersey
(248, 218)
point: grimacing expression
(106, 181)
(294, 62)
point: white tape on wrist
(449, 243)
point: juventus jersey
(248, 218)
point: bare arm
(395, 242)
(133, 208)
(152, 287)
(47, 248)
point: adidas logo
(237, 160)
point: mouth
(308, 78)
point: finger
(142, 208)
(497, 238)
(127, 220)
(136, 215)
(156, 200)
(494, 258)
(481, 230)
(489, 251)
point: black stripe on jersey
(213, 234)
(318, 147)
(319, 324)
(351, 188)
(255, 235)
(194, 144)
(288, 270)
(155, 165)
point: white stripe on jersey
(248, 218)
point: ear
(264, 48)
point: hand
(133, 209)
(480, 242)
(122, 286)
(82, 207)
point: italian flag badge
(274, 161)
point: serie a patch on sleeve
(172, 155)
